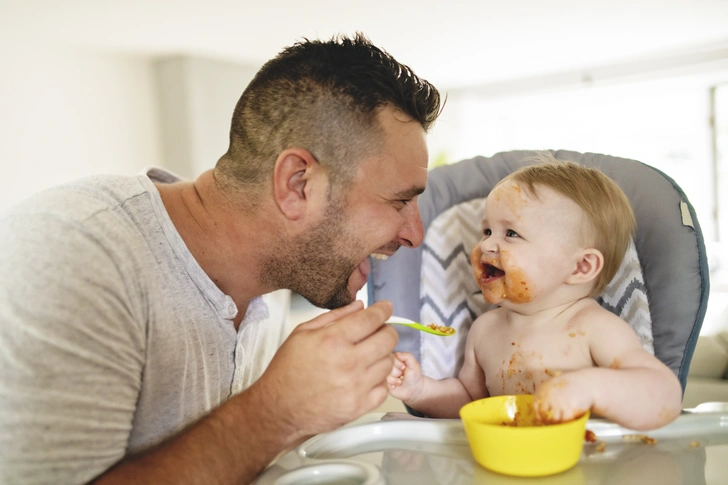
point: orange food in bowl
(505, 437)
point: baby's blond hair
(605, 206)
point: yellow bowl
(504, 437)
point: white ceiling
(452, 43)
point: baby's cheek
(475, 256)
(495, 292)
(518, 289)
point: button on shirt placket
(229, 311)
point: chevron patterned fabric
(626, 296)
(450, 296)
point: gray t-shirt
(112, 337)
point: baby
(554, 235)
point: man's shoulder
(80, 198)
(104, 210)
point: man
(131, 307)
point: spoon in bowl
(431, 328)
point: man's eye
(511, 233)
(401, 204)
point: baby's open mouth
(491, 273)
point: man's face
(376, 215)
(529, 244)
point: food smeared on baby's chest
(521, 371)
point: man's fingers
(375, 376)
(377, 395)
(378, 345)
(380, 370)
(332, 315)
(360, 325)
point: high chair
(661, 288)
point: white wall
(67, 113)
(664, 121)
(197, 98)
(70, 112)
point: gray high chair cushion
(661, 288)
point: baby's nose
(489, 245)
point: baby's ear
(589, 264)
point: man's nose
(413, 231)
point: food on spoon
(590, 437)
(441, 328)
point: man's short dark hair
(322, 96)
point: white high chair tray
(397, 449)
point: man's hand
(332, 369)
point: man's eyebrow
(410, 193)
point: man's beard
(313, 265)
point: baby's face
(530, 245)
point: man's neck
(221, 239)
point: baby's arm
(437, 398)
(630, 387)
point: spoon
(418, 326)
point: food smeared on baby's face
(497, 273)
(497, 283)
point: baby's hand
(563, 398)
(405, 381)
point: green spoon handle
(421, 327)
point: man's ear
(294, 174)
(589, 264)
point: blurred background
(99, 86)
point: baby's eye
(511, 233)
(486, 232)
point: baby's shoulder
(591, 312)
(495, 315)
(487, 320)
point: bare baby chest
(518, 364)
